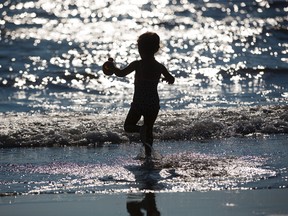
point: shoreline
(239, 202)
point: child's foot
(148, 162)
(148, 149)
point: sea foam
(83, 129)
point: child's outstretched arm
(167, 76)
(125, 71)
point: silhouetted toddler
(145, 103)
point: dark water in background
(223, 53)
(230, 63)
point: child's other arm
(167, 76)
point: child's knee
(131, 128)
(127, 128)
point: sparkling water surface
(232, 164)
(223, 53)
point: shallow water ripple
(174, 173)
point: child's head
(148, 44)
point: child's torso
(146, 93)
(147, 77)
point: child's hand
(169, 80)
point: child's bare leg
(148, 140)
(131, 121)
(149, 121)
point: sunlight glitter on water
(174, 173)
(86, 21)
(200, 40)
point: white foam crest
(70, 129)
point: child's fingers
(169, 81)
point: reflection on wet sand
(147, 177)
(146, 204)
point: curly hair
(148, 43)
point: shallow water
(230, 164)
(223, 124)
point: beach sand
(243, 202)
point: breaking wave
(84, 129)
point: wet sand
(247, 202)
